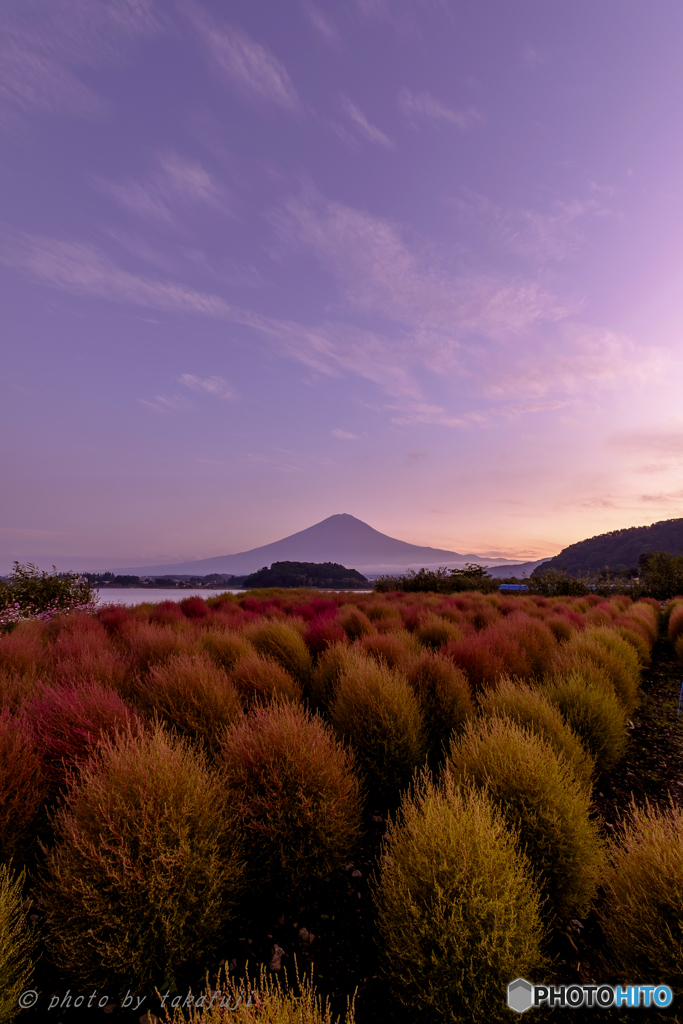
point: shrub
(263, 679)
(322, 633)
(166, 613)
(594, 714)
(539, 793)
(458, 911)
(377, 612)
(632, 635)
(23, 653)
(642, 916)
(81, 649)
(297, 795)
(145, 863)
(444, 695)
(355, 622)
(150, 644)
(607, 650)
(332, 665)
(675, 626)
(434, 632)
(482, 665)
(531, 708)
(267, 1001)
(284, 643)
(22, 786)
(225, 647)
(194, 608)
(375, 709)
(68, 723)
(391, 648)
(17, 943)
(29, 592)
(190, 693)
(560, 626)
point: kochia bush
(146, 864)
(376, 711)
(68, 723)
(529, 707)
(593, 713)
(23, 789)
(192, 694)
(538, 793)
(458, 911)
(642, 915)
(297, 795)
(17, 943)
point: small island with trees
(307, 574)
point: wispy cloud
(454, 325)
(166, 403)
(215, 386)
(421, 107)
(321, 22)
(249, 66)
(175, 182)
(540, 235)
(363, 126)
(345, 435)
(41, 45)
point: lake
(131, 595)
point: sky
(419, 261)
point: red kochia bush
(166, 613)
(322, 632)
(194, 608)
(22, 786)
(296, 792)
(81, 649)
(68, 723)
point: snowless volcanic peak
(340, 538)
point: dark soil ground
(336, 936)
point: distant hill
(307, 574)
(339, 538)
(519, 569)
(619, 549)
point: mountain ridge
(339, 538)
(619, 548)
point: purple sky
(421, 262)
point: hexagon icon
(520, 995)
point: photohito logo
(522, 996)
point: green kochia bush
(261, 680)
(604, 648)
(283, 643)
(529, 707)
(444, 695)
(297, 795)
(538, 792)
(145, 867)
(376, 711)
(642, 916)
(458, 910)
(594, 713)
(17, 944)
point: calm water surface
(125, 595)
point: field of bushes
(394, 794)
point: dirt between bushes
(336, 936)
